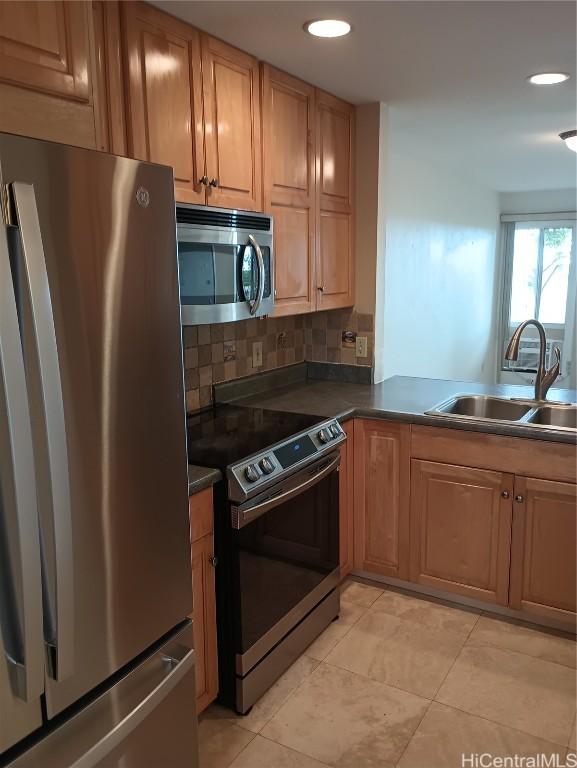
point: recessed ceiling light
(548, 78)
(570, 139)
(328, 28)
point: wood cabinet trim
(109, 96)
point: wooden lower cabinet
(346, 501)
(461, 530)
(543, 557)
(381, 497)
(203, 598)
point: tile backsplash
(224, 351)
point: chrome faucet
(544, 377)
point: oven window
(220, 274)
(284, 555)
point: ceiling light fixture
(328, 28)
(570, 139)
(548, 78)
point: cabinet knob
(519, 499)
(505, 494)
(213, 560)
(203, 180)
(322, 288)
(213, 182)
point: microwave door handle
(55, 508)
(240, 518)
(24, 638)
(261, 276)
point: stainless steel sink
(559, 416)
(528, 413)
(482, 407)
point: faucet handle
(555, 369)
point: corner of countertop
(200, 478)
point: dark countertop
(404, 398)
(200, 478)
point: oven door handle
(240, 517)
(261, 276)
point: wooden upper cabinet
(543, 572)
(232, 126)
(164, 90)
(381, 497)
(461, 530)
(45, 46)
(289, 129)
(335, 220)
(46, 71)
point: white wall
(440, 281)
(540, 201)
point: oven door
(286, 557)
(224, 275)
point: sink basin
(482, 407)
(563, 416)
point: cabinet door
(543, 573)
(335, 221)
(204, 621)
(45, 46)
(232, 126)
(461, 530)
(288, 119)
(164, 95)
(381, 492)
(46, 72)
(346, 501)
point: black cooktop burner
(229, 433)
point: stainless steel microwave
(226, 264)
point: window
(540, 282)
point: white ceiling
(454, 73)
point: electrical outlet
(257, 354)
(361, 346)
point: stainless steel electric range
(276, 539)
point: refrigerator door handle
(55, 511)
(23, 637)
(176, 671)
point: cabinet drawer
(516, 455)
(201, 514)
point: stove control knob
(266, 465)
(251, 473)
(324, 436)
(335, 431)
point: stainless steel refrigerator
(96, 655)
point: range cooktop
(228, 433)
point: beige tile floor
(407, 682)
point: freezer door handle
(54, 506)
(176, 669)
(22, 620)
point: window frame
(541, 221)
